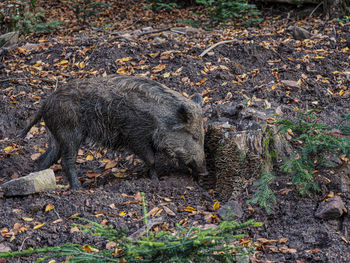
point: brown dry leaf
(138, 196)
(90, 249)
(49, 207)
(313, 251)
(111, 245)
(104, 222)
(287, 250)
(189, 209)
(27, 219)
(35, 156)
(285, 191)
(154, 55)
(267, 241)
(92, 174)
(159, 68)
(57, 221)
(153, 211)
(168, 211)
(283, 240)
(111, 164)
(112, 206)
(74, 229)
(250, 209)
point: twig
(215, 45)
(21, 247)
(313, 11)
(153, 31)
(139, 233)
(11, 79)
(177, 31)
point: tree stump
(241, 145)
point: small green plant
(222, 11)
(264, 196)
(22, 17)
(192, 244)
(317, 141)
(314, 142)
(84, 9)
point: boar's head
(182, 138)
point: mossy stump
(239, 149)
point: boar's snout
(198, 170)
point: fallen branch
(215, 45)
(153, 31)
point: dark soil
(250, 68)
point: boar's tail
(36, 118)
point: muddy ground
(250, 68)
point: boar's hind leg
(69, 146)
(52, 154)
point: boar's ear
(184, 114)
(197, 98)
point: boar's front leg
(146, 153)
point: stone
(158, 40)
(332, 209)
(4, 248)
(232, 209)
(33, 183)
(9, 39)
(299, 33)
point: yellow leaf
(89, 249)
(63, 62)
(49, 207)
(82, 65)
(123, 71)
(27, 219)
(216, 205)
(318, 57)
(111, 164)
(38, 226)
(159, 68)
(106, 160)
(8, 149)
(89, 157)
(126, 59)
(122, 213)
(290, 132)
(335, 72)
(341, 92)
(166, 75)
(190, 209)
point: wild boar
(117, 112)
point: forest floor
(253, 67)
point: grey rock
(4, 248)
(9, 39)
(298, 33)
(332, 209)
(232, 209)
(158, 40)
(33, 183)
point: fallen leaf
(168, 211)
(38, 226)
(49, 207)
(90, 249)
(159, 68)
